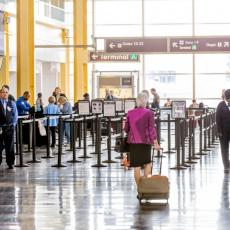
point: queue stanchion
(98, 143)
(169, 135)
(205, 134)
(21, 164)
(214, 134)
(48, 150)
(201, 137)
(85, 140)
(92, 130)
(182, 132)
(158, 125)
(34, 160)
(194, 157)
(59, 163)
(73, 130)
(80, 135)
(109, 143)
(122, 135)
(16, 137)
(178, 165)
(190, 160)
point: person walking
(8, 121)
(223, 128)
(140, 127)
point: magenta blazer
(140, 126)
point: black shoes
(10, 167)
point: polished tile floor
(81, 197)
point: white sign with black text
(109, 108)
(83, 107)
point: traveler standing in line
(223, 128)
(140, 127)
(8, 121)
(22, 104)
(39, 102)
(65, 108)
(53, 109)
(156, 99)
(57, 93)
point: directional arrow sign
(136, 45)
(109, 57)
(199, 44)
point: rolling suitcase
(154, 187)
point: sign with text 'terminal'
(110, 57)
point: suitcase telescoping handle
(161, 156)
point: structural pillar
(80, 54)
(5, 71)
(25, 48)
(64, 67)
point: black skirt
(140, 154)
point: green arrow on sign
(133, 56)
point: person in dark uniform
(8, 120)
(223, 128)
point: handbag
(121, 145)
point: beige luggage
(154, 187)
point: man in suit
(8, 120)
(223, 128)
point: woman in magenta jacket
(141, 130)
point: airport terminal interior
(94, 92)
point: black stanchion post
(73, 140)
(169, 135)
(80, 136)
(34, 160)
(158, 125)
(182, 131)
(109, 143)
(190, 160)
(177, 133)
(85, 140)
(98, 143)
(59, 163)
(122, 135)
(92, 130)
(17, 144)
(21, 164)
(205, 134)
(194, 157)
(201, 137)
(48, 155)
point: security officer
(8, 120)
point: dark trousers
(7, 142)
(53, 135)
(224, 145)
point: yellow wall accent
(4, 73)
(80, 54)
(64, 67)
(25, 48)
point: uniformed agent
(8, 121)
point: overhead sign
(137, 45)
(200, 44)
(108, 57)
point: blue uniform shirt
(23, 106)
